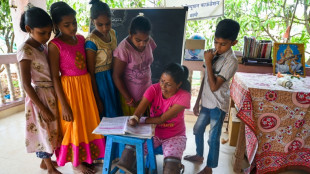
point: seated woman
(168, 99)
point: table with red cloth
(277, 121)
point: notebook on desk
(120, 126)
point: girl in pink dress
(77, 104)
(42, 129)
(132, 64)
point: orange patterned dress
(78, 144)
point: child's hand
(67, 113)
(209, 55)
(47, 115)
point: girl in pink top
(168, 99)
(77, 104)
(132, 64)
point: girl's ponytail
(99, 8)
(22, 23)
(35, 17)
(185, 82)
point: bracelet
(135, 117)
(142, 119)
(128, 103)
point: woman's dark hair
(35, 17)
(59, 10)
(99, 8)
(179, 73)
(140, 24)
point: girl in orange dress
(77, 104)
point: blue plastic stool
(138, 143)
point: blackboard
(168, 29)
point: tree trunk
(292, 21)
(306, 16)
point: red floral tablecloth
(277, 120)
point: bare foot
(53, 171)
(44, 167)
(84, 169)
(48, 164)
(91, 166)
(194, 158)
(206, 170)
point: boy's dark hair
(59, 10)
(140, 24)
(35, 17)
(179, 73)
(99, 8)
(227, 29)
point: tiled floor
(15, 160)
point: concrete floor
(15, 160)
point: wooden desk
(277, 121)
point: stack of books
(257, 52)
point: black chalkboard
(168, 29)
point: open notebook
(120, 126)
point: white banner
(199, 9)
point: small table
(277, 121)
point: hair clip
(140, 14)
(28, 6)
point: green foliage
(5, 17)
(6, 25)
(265, 20)
(15, 83)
